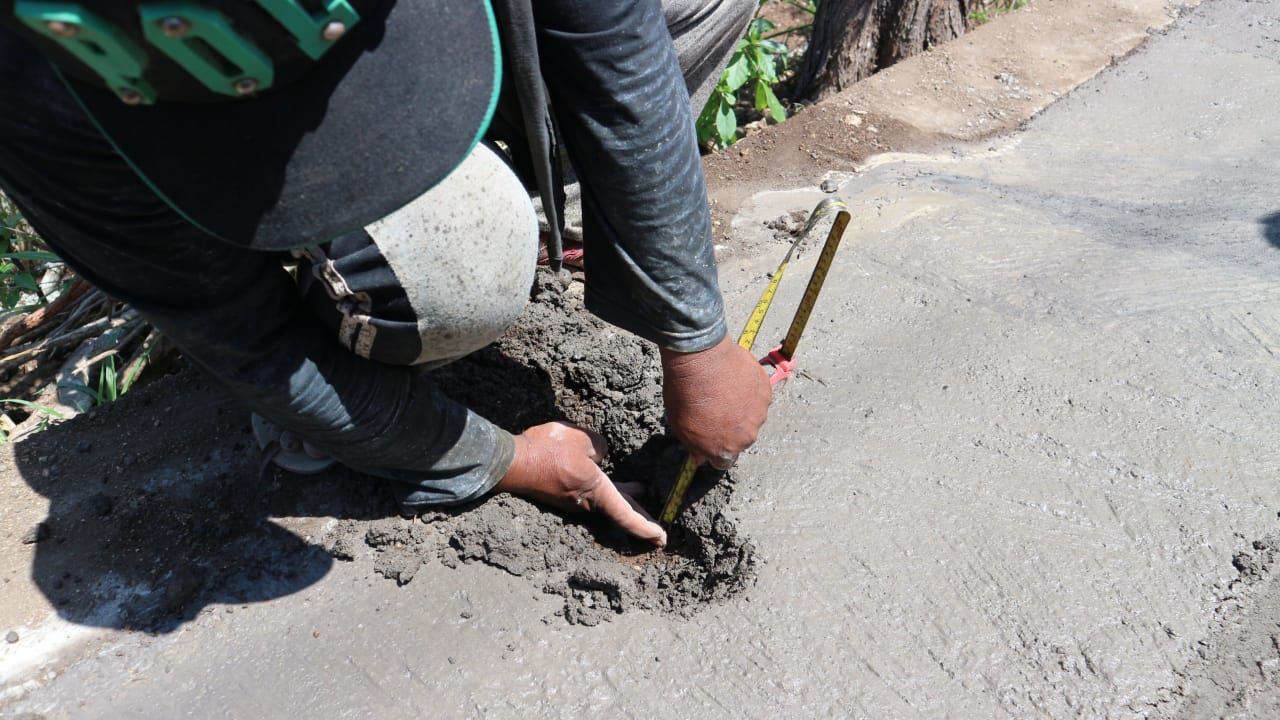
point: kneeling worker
(172, 151)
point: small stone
(852, 119)
(830, 186)
(315, 633)
(467, 614)
(37, 533)
(453, 660)
(11, 637)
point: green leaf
(24, 281)
(764, 66)
(131, 376)
(759, 26)
(737, 74)
(706, 122)
(107, 389)
(774, 47)
(33, 406)
(31, 255)
(767, 100)
(726, 123)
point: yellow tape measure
(819, 276)
(780, 359)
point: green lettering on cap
(203, 42)
(96, 43)
(314, 33)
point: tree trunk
(852, 39)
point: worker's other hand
(556, 463)
(716, 400)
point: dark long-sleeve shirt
(622, 108)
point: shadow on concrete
(159, 505)
(157, 508)
(1271, 228)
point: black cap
(332, 136)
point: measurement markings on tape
(780, 360)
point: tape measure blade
(758, 313)
(675, 499)
(819, 276)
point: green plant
(21, 251)
(134, 369)
(45, 412)
(108, 389)
(757, 65)
(989, 11)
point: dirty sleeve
(622, 107)
(235, 312)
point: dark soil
(559, 362)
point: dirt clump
(559, 362)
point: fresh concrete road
(1039, 416)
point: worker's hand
(556, 464)
(716, 400)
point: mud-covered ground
(558, 362)
(160, 506)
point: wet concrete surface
(1036, 427)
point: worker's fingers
(599, 447)
(605, 498)
(723, 462)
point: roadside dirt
(988, 82)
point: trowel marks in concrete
(559, 362)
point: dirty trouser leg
(438, 279)
(705, 33)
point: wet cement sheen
(1035, 430)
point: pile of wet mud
(559, 362)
